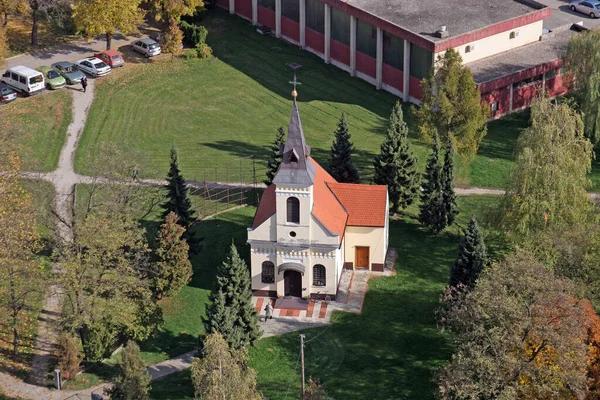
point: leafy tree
(107, 283)
(583, 63)
(96, 17)
(21, 273)
(472, 257)
(173, 267)
(133, 379)
(173, 39)
(548, 184)
(275, 156)
(520, 334)
(233, 283)
(448, 194)
(59, 10)
(432, 210)
(8, 7)
(396, 165)
(222, 373)
(69, 356)
(4, 49)
(167, 9)
(340, 165)
(178, 200)
(452, 105)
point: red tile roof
(326, 207)
(335, 205)
(366, 204)
(266, 207)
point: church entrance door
(292, 283)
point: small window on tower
(294, 157)
(293, 210)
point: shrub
(189, 54)
(193, 34)
(203, 50)
(69, 356)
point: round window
(293, 234)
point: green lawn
(36, 128)
(390, 350)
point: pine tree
(275, 156)
(395, 165)
(233, 283)
(69, 356)
(472, 257)
(340, 166)
(178, 201)
(173, 266)
(448, 194)
(133, 381)
(432, 211)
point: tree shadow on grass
(170, 344)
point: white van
(25, 80)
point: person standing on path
(84, 83)
(268, 311)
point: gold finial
(294, 94)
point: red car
(112, 58)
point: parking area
(562, 15)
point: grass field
(230, 106)
(36, 128)
(390, 350)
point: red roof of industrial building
(365, 204)
(335, 205)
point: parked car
(68, 71)
(147, 47)
(53, 78)
(588, 7)
(7, 94)
(93, 66)
(25, 80)
(112, 58)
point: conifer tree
(233, 283)
(395, 165)
(448, 194)
(432, 211)
(133, 381)
(178, 201)
(472, 257)
(275, 156)
(173, 266)
(340, 165)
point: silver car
(588, 7)
(147, 47)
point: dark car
(69, 72)
(7, 94)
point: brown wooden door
(362, 257)
(292, 283)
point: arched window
(319, 278)
(293, 210)
(268, 272)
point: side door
(362, 257)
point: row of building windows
(366, 35)
(319, 274)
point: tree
(8, 7)
(432, 210)
(178, 200)
(107, 276)
(167, 9)
(58, 9)
(223, 373)
(275, 156)
(69, 356)
(173, 39)
(548, 184)
(232, 285)
(133, 379)
(4, 49)
(340, 165)
(396, 165)
(452, 106)
(520, 334)
(22, 276)
(448, 194)
(583, 63)
(472, 257)
(172, 264)
(96, 17)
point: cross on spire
(295, 81)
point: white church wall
(373, 237)
(267, 231)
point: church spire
(295, 168)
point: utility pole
(302, 361)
